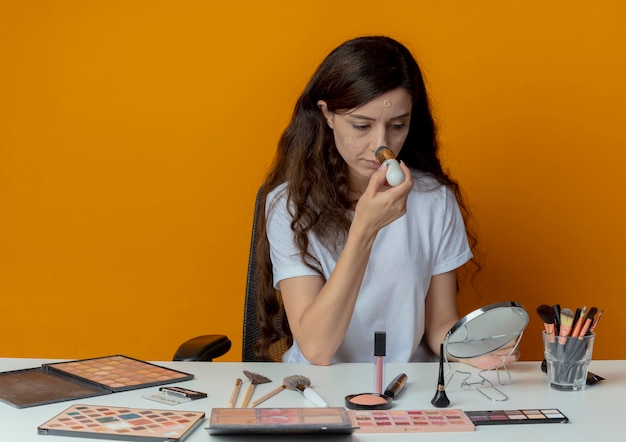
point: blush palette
(410, 421)
(64, 381)
(133, 424)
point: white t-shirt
(428, 240)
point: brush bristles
(546, 313)
(296, 382)
(567, 318)
(256, 378)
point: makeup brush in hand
(303, 384)
(255, 379)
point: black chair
(208, 347)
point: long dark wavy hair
(316, 175)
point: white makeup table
(593, 413)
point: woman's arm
(319, 312)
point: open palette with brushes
(62, 381)
(121, 423)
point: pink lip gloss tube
(380, 349)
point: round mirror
(486, 329)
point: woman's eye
(399, 126)
(360, 126)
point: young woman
(342, 252)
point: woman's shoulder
(425, 182)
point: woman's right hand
(381, 204)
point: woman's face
(383, 121)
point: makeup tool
(440, 400)
(595, 322)
(507, 417)
(380, 349)
(123, 423)
(266, 396)
(587, 323)
(255, 379)
(547, 315)
(396, 386)
(279, 421)
(557, 318)
(394, 175)
(233, 396)
(579, 318)
(567, 317)
(303, 385)
(174, 395)
(410, 421)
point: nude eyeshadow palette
(279, 421)
(121, 423)
(62, 381)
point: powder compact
(377, 401)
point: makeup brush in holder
(440, 400)
(303, 385)
(255, 379)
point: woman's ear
(328, 115)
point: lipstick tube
(380, 349)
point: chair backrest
(251, 331)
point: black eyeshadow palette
(80, 379)
(528, 416)
(121, 423)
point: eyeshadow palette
(530, 416)
(133, 424)
(80, 379)
(279, 420)
(410, 421)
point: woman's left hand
(496, 358)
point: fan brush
(255, 379)
(303, 385)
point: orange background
(134, 134)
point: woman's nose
(381, 138)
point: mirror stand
(484, 383)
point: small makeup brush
(588, 322)
(303, 385)
(266, 396)
(595, 321)
(567, 318)
(578, 321)
(235, 393)
(440, 400)
(255, 379)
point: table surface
(593, 412)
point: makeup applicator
(255, 379)
(547, 315)
(303, 385)
(394, 175)
(440, 400)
